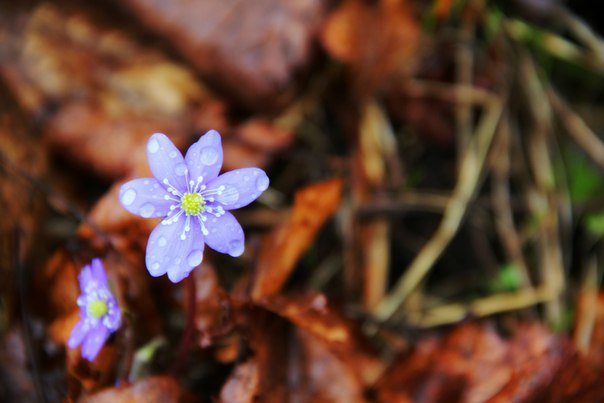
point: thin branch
(493, 304)
(577, 129)
(469, 176)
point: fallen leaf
(327, 377)
(97, 78)
(290, 364)
(281, 249)
(152, 389)
(311, 313)
(472, 363)
(385, 46)
(249, 49)
(242, 385)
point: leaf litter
(391, 132)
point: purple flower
(193, 201)
(99, 313)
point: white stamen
(199, 180)
(204, 230)
(170, 220)
(171, 189)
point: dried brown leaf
(109, 93)
(314, 317)
(327, 377)
(473, 363)
(154, 389)
(384, 46)
(311, 313)
(282, 248)
(292, 364)
(242, 385)
(249, 49)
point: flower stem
(187, 336)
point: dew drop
(153, 146)
(180, 169)
(236, 248)
(162, 241)
(127, 198)
(262, 183)
(173, 154)
(147, 210)
(195, 258)
(208, 156)
(177, 260)
(155, 266)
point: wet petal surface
(241, 187)
(168, 252)
(166, 161)
(145, 197)
(85, 277)
(94, 341)
(77, 334)
(225, 234)
(204, 158)
(98, 272)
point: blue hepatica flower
(99, 312)
(193, 201)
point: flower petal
(79, 331)
(146, 197)
(114, 316)
(225, 234)
(98, 272)
(204, 158)
(166, 162)
(94, 341)
(168, 252)
(241, 187)
(85, 277)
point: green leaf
(585, 181)
(594, 223)
(508, 279)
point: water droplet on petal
(177, 260)
(262, 183)
(127, 198)
(229, 195)
(147, 210)
(173, 154)
(162, 241)
(236, 248)
(194, 258)
(153, 146)
(208, 156)
(155, 269)
(180, 169)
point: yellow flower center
(97, 309)
(192, 203)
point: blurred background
(433, 229)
